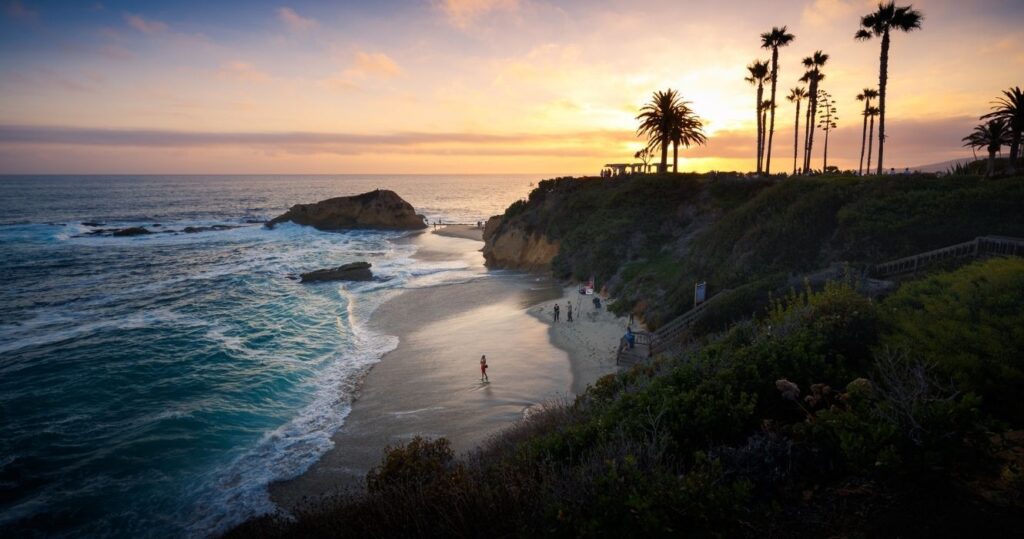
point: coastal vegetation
(827, 413)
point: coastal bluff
(380, 209)
(508, 244)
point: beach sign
(700, 293)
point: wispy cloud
(144, 25)
(462, 13)
(17, 10)
(294, 21)
(366, 65)
(826, 12)
(243, 71)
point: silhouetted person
(568, 311)
(556, 312)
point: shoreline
(429, 385)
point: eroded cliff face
(510, 246)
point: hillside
(647, 239)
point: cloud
(462, 13)
(17, 10)
(826, 12)
(367, 65)
(146, 26)
(243, 71)
(294, 21)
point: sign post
(700, 292)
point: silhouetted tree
(866, 96)
(881, 23)
(871, 113)
(687, 129)
(992, 136)
(778, 37)
(1010, 107)
(827, 122)
(758, 76)
(813, 78)
(657, 119)
(795, 96)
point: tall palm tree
(795, 96)
(765, 105)
(886, 19)
(871, 112)
(1010, 108)
(656, 120)
(687, 129)
(758, 76)
(992, 136)
(866, 96)
(813, 77)
(778, 37)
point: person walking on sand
(568, 311)
(556, 312)
(483, 369)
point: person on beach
(630, 338)
(556, 312)
(483, 369)
(568, 311)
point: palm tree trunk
(990, 169)
(764, 132)
(760, 126)
(863, 138)
(807, 135)
(1014, 153)
(871, 140)
(675, 157)
(664, 155)
(796, 134)
(771, 128)
(883, 77)
(810, 127)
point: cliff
(380, 209)
(512, 246)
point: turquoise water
(153, 386)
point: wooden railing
(978, 247)
(664, 337)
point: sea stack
(356, 271)
(380, 209)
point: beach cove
(430, 384)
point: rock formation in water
(509, 245)
(356, 271)
(380, 209)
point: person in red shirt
(483, 369)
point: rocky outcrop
(377, 209)
(356, 271)
(197, 229)
(133, 231)
(508, 245)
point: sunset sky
(463, 86)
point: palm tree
(871, 112)
(813, 77)
(1010, 108)
(795, 96)
(765, 105)
(687, 129)
(656, 121)
(758, 76)
(880, 23)
(866, 96)
(827, 123)
(773, 40)
(992, 136)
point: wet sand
(469, 232)
(430, 385)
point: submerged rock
(133, 231)
(356, 271)
(195, 229)
(381, 209)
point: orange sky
(464, 86)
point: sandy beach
(430, 384)
(469, 232)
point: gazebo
(622, 169)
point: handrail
(980, 246)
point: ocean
(152, 386)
